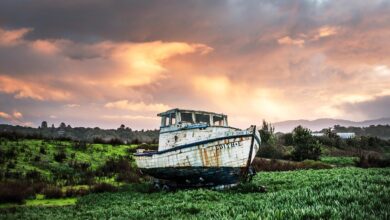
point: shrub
(60, 156)
(129, 176)
(52, 192)
(37, 158)
(76, 192)
(80, 145)
(115, 141)
(305, 146)
(42, 150)
(15, 192)
(279, 165)
(33, 175)
(270, 151)
(103, 187)
(11, 165)
(372, 160)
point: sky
(105, 63)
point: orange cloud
(14, 118)
(288, 41)
(34, 90)
(137, 106)
(12, 37)
(140, 64)
(326, 31)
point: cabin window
(172, 119)
(186, 117)
(164, 121)
(202, 118)
(217, 120)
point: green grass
(41, 202)
(340, 193)
(339, 161)
(95, 154)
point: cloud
(59, 69)
(275, 59)
(140, 106)
(14, 118)
(129, 117)
(12, 37)
(288, 41)
(375, 108)
(34, 90)
(5, 115)
(17, 115)
(72, 105)
(325, 31)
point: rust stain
(206, 158)
(201, 156)
(218, 156)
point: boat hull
(197, 176)
(218, 161)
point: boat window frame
(189, 114)
(204, 121)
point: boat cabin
(181, 118)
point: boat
(199, 149)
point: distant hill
(319, 124)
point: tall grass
(340, 193)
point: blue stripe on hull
(197, 176)
(196, 144)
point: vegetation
(63, 177)
(339, 161)
(122, 135)
(305, 146)
(61, 164)
(342, 193)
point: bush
(103, 187)
(42, 150)
(15, 192)
(37, 158)
(76, 192)
(370, 160)
(33, 175)
(270, 151)
(80, 145)
(60, 156)
(115, 141)
(130, 176)
(306, 147)
(52, 192)
(279, 165)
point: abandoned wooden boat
(198, 148)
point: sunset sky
(105, 63)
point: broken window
(186, 117)
(218, 120)
(200, 118)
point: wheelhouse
(181, 117)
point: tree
(44, 124)
(305, 146)
(288, 139)
(62, 125)
(266, 132)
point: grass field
(342, 193)
(339, 161)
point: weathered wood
(202, 152)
